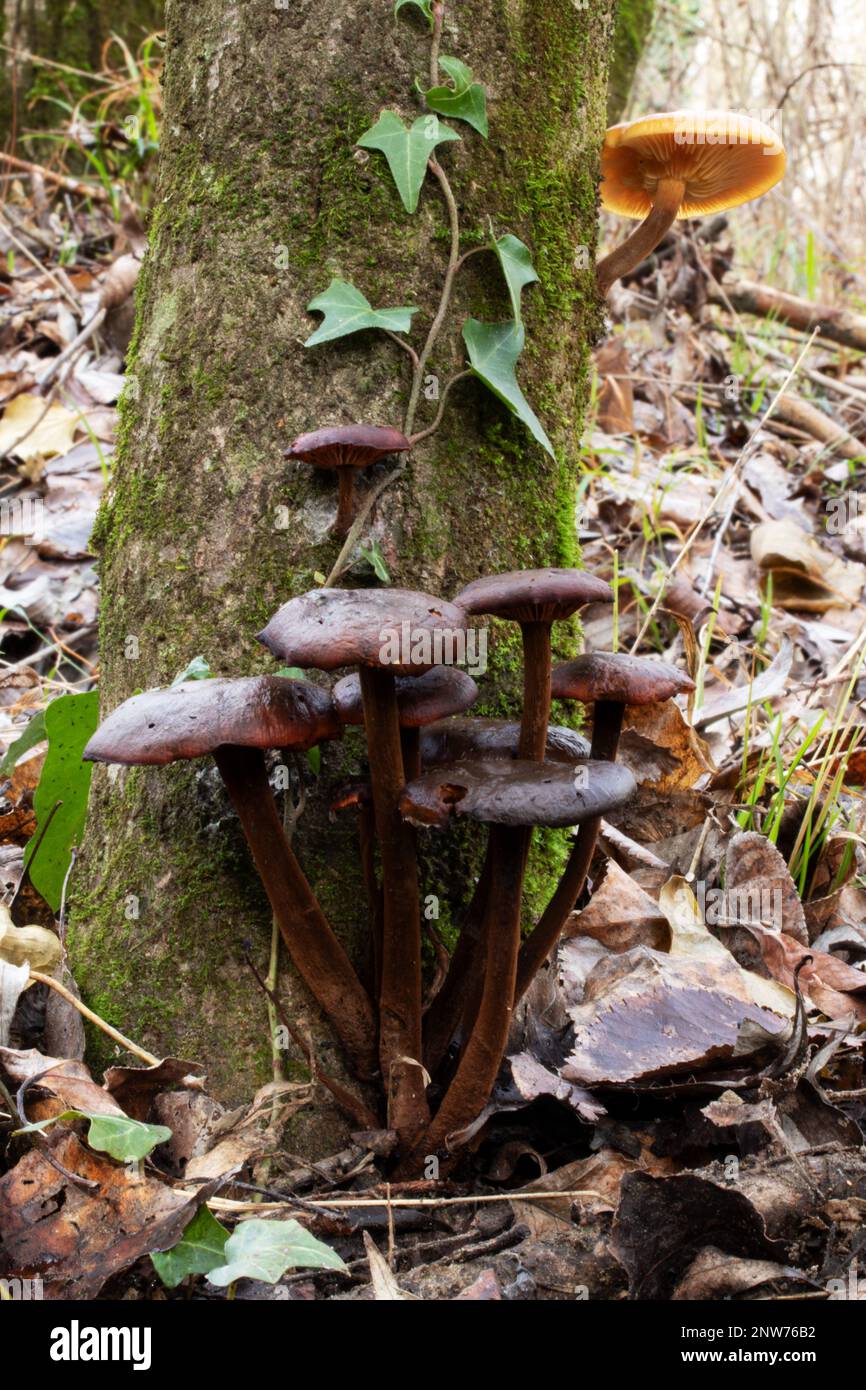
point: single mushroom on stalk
(509, 796)
(235, 720)
(609, 681)
(386, 633)
(450, 741)
(534, 599)
(421, 700)
(343, 449)
(679, 164)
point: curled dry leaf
(135, 1088)
(759, 888)
(34, 946)
(714, 1274)
(806, 576)
(621, 914)
(827, 982)
(668, 730)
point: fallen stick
(87, 190)
(837, 324)
(792, 410)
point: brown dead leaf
(758, 886)
(806, 576)
(832, 986)
(667, 728)
(615, 409)
(620, 914)
(134, 1088)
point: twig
(453, 261)
(38, 978)
(96, 192)
(407, 347)
(438, 19)
(359, 523)
(34, 260)
(227, 1204)
(431, 429)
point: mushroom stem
(367, 850)
(345, 501)
(536, 690)
(320, 959)
(606, 727)
(410, 742)
(400, 990)
(646, 236)
(476, 1073)
(467, 966)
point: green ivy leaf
(464, 101)
(69, 722)
(424, 6)
(266, 1249)
(115, 1135)
(407, 150)
(347, 311)
(198, 670)
(493, 352)
(516, 262)
(376, 560)
(33, 734)
(200, 1249)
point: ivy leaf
(407, 150)
(424, 6)
(266, 1249)
(347, 311)
(376, 560)
(33, 734)
(197, 670)
(115, 1135)
(199, 1250)
(493, 352)
(464, 101)
(516, 262)
(69, 722)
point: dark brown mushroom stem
(465, 975)
(345, 501)
(410, 742)
(315, 950)
(606, 728)
(367, 851)
(536, 690)
(476, 1073)
(646, 236)
(400, 989)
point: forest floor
(644, 1140)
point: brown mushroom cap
(517, 793)
(455, 740)
(533, 596)
(390, 628)
(622, 679)
(347, 446)
(723, 159)
(421, 700)
(192, 719)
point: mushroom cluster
(429, 765)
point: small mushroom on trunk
(343, 449)
(235, 720)
(680, 164)
(609, 681)
(509, 797)
(386, 633)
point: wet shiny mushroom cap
(619, 678)
(517, 793)
(192, 719)
(455, 740)
(533, 596)
(722, 158)
(395, 629)
(347, 446)
(421, 700)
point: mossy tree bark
(262, 197)
(631, 30)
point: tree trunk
(633, 23)
(262, 198)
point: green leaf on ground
(517, 267)
(199, 1250)
(464, 101)
(493, 352)
(376, 560)
(346, 311)
(266, 1249)
(33, 734)
(407, 149)
(69, 722)
(424, 6)
(115, 1135)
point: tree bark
(262, 197)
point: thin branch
(453, 261)
(148, 1057)
(407, 347)
(424, 434)
(438, 19)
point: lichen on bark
(261, 198)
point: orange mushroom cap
(723, 158)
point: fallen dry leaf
(53, 434)
(806, 576)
